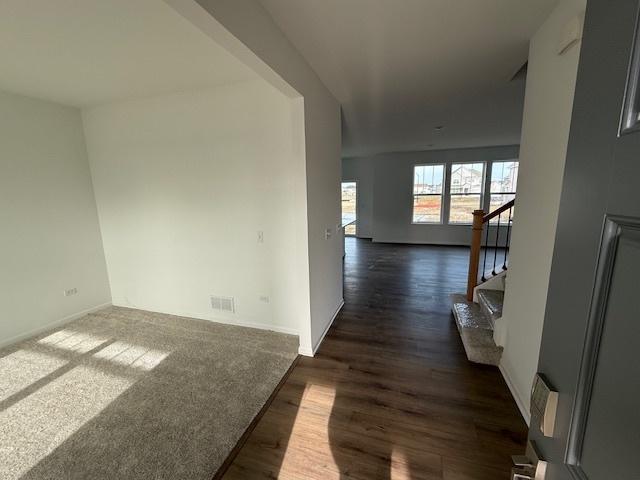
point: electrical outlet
(264, 298)
(260, 236)
(71, 291)
(327, 234)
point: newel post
(474, 255)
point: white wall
(50, 239)
(248, 32)
(183, 184)
(385, 198)
(545, 132)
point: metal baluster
(484, 263)
(495, 250)
(506, 250)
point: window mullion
(486, 196)
(446, 194)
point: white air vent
(224, 304)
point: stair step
(470, 316)
(491, 303)
(475, 331)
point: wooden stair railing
(480, 219)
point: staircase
(478, 312)
(476, 322)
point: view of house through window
(504, 180)
(428, 181)
(349, 194)
(467, 181)
(468, 187)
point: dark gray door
(591, 342)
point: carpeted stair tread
(491, 303)
(475, 331)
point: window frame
(441, 194)
(481, 194)
(490, 180)
(491, 193)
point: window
(349, 196)
(427, 193)
(504, 180)
(467, 181)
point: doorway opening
(349, 208)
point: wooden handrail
(474, 256)
(497, 211)
(479, 219)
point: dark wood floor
(390, 394)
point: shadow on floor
(390, 394)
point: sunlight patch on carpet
(135, 356)
(20, 369)
(73, 341)
(33, 427)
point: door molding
(614, 227)
(630, 117)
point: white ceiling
(402, 67)
(86, 52)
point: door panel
(605, 420)
(591, 337)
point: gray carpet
(128, 394)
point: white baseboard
(272, 328)
(51, 325)
(516, 396)
(75, 316)
(310, 353)
(306, 352)
(225, 321)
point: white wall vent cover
(225, 304)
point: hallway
(390, 394)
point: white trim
(426, 223)
(516, 396)
(310, 353)
(258, 326)
(225, 321)
(305, 351)
(50, 325)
